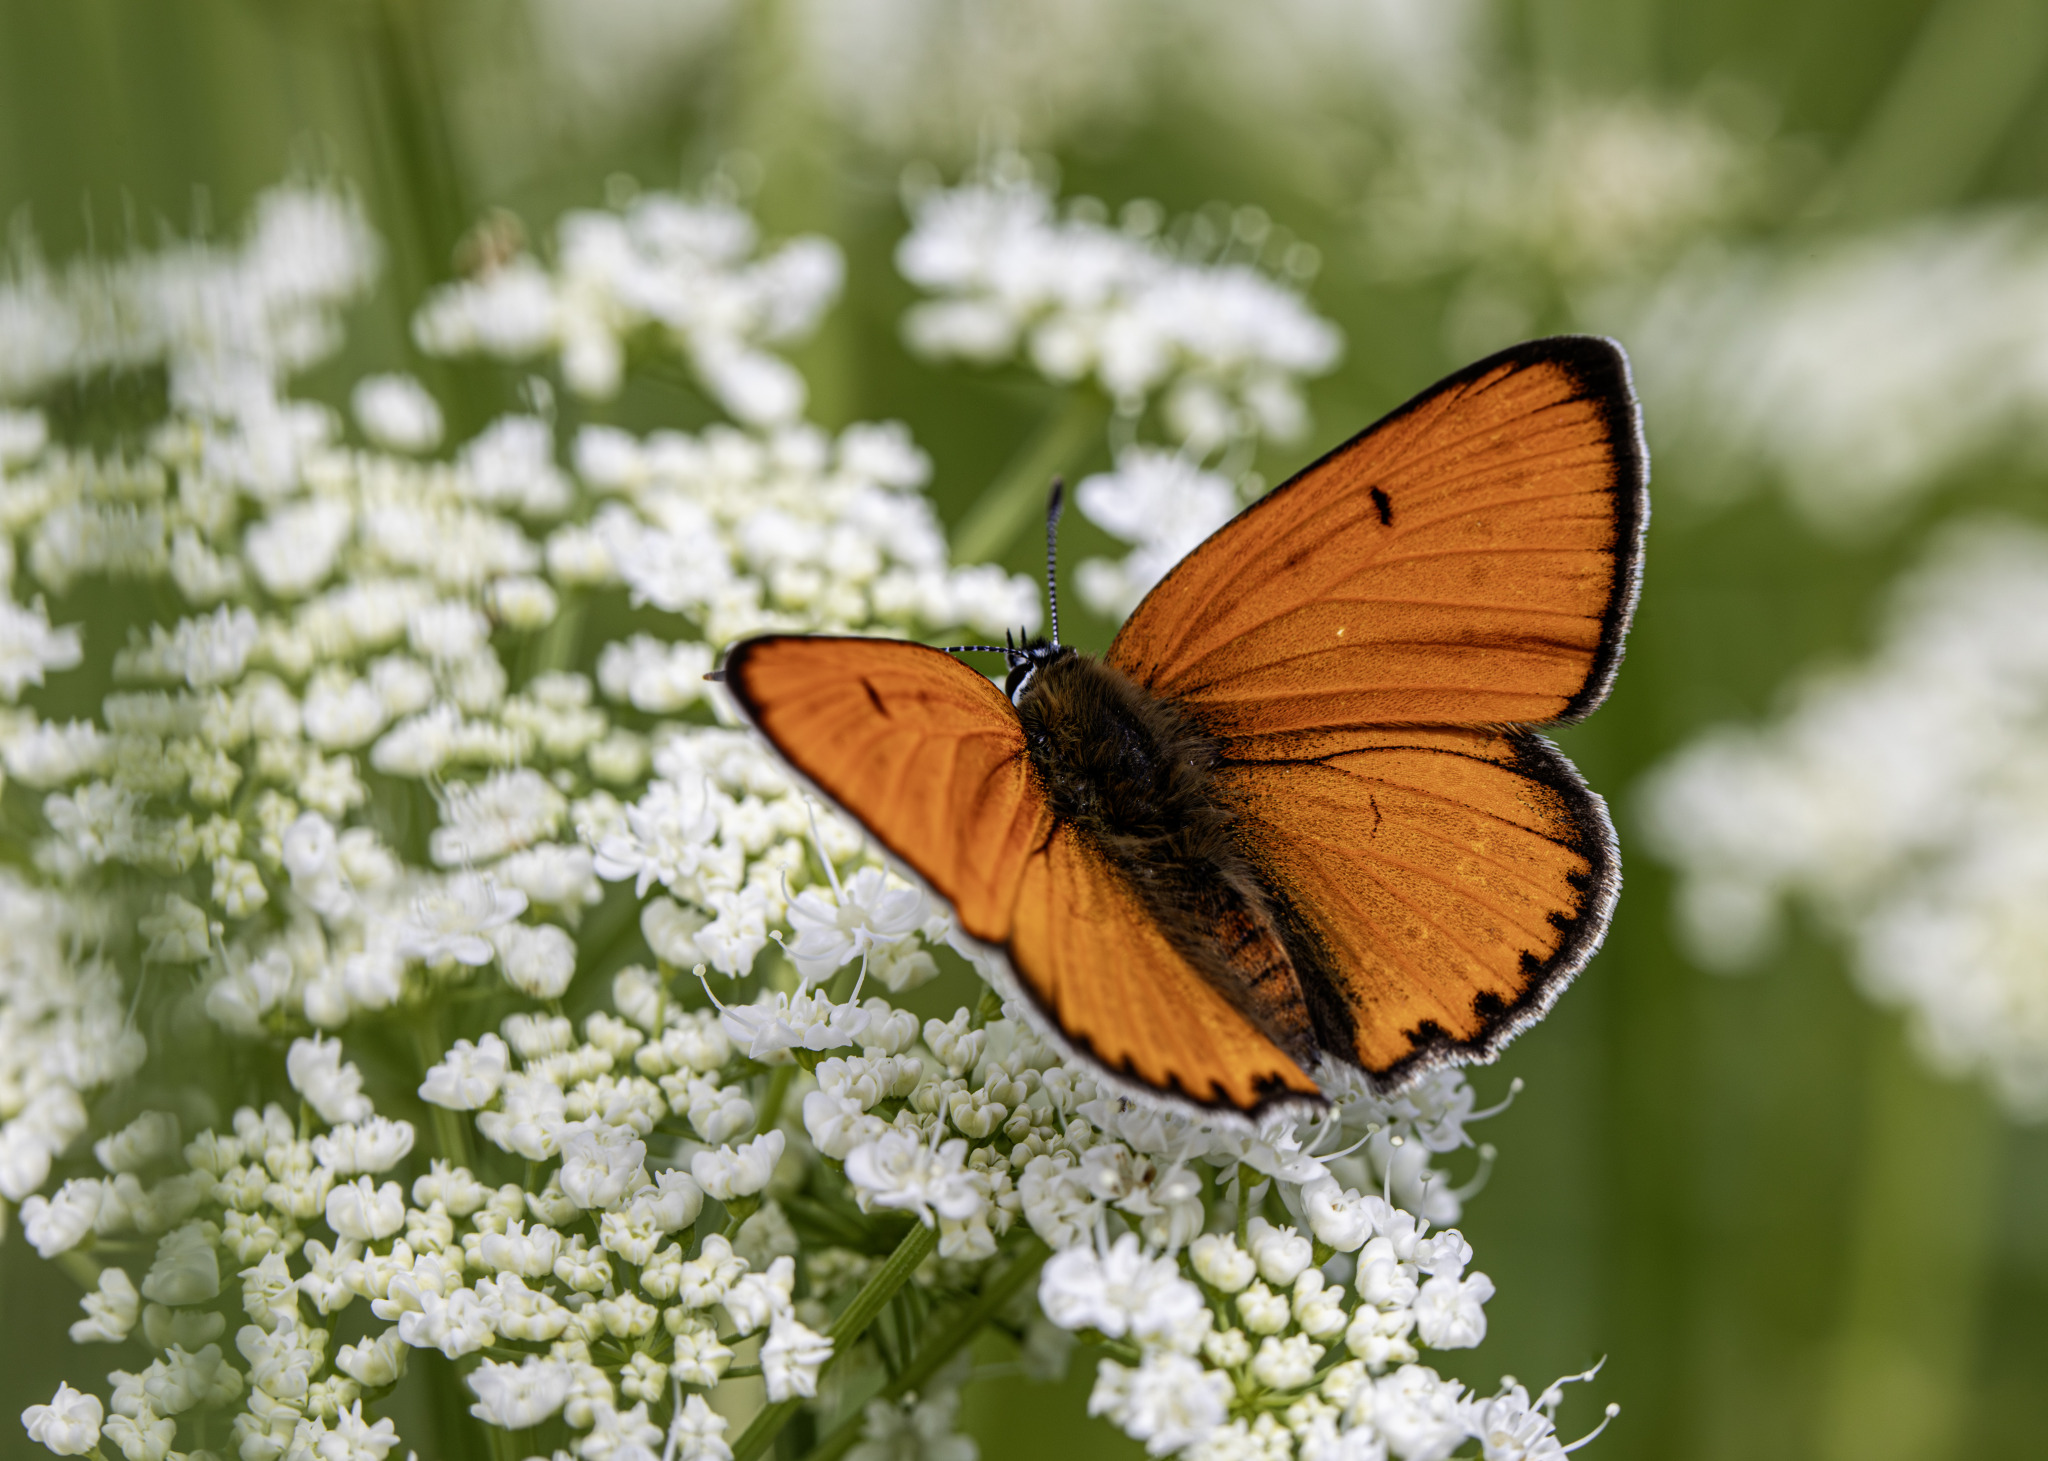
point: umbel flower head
(1902, 801)
(564, 1025)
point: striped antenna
(1052, 540)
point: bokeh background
(1817, 223)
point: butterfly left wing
(930, 758)
(1444, 882)
(916, 747)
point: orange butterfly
(1297, 812)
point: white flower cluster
(1300, 1338)
(426, 747)
(209, 312)
(1222, 343)
(370, 595)
(687, 268)
(594, 1284)
(602, 1256)
(1193, 324)
(64, 1030)
(1906, 802)
(1860, 374)
(1585, 188)
(792, 529)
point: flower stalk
(1016, 499)
(866, 1306)
(936, 1351)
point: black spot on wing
(1383, 505)
(874, 698)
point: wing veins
(1430, 604)
(1463, 438)
(1439, 799)
(1483, 553)
(1321, 529)
(1505, 914)
(1235, 698)
(1421, 917)
(1519, 499)
(1280, 614)
(1327, 757)
(1391, 951)
(1222, 589)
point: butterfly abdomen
(1130, 772)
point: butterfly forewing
(918, 748)
(1471, 559)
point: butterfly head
(1026, 660)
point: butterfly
(1298, 818)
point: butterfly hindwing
(1471, 559)
(929, 757)
(1445, 882)
(1102, 971)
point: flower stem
(933, 1356)
(1016, 500)
(1930, 1175)
(450, 1134)
(917, 1245)
(778, 1092)
(504, 1445)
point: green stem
(934, 1354)
(81, 1268)
(778, 1092)
(1015, 499)
(917, 1245)
(504, 1445)
(555, 647)
(1904, 1353)
(451, 1135)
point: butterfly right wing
(929, 757)
(1361, 643)
(1472, 559)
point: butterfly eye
(1020, 676)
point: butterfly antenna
(1052, 540)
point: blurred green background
(1788, 1239)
